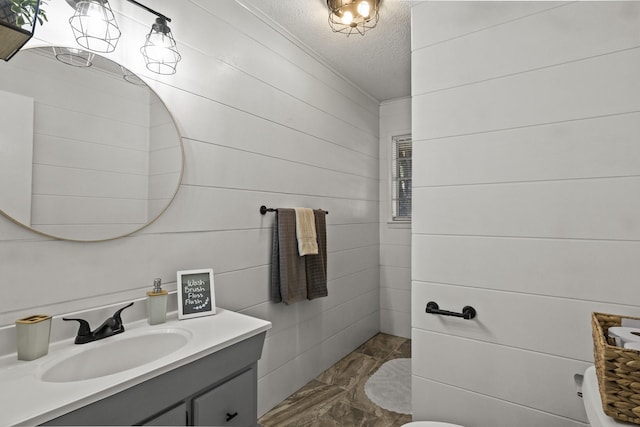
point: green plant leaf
(25, 11)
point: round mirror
(87, 151)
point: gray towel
(288, 276)
(316, 267)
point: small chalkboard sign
(195, 293)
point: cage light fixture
(160, 50)
(129, 77)
(353, 16)
(94, 25)
(95, 28)
(73, 56)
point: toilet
(430, 424)
(593, 404)
(591, 400)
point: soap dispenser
(157, 303)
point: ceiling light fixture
(353, 16)
(94, 25)
(160, 51)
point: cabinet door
(173, 417)
(230, 404)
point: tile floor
(336, 397)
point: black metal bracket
(148, 9)
(468, 312)
(264, 210)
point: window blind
(401, 170)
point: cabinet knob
(231, 416)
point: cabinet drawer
(229, 404)
(173, 417)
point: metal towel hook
(468, 312)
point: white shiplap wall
(395, 238)
(526, 159)
(165, 158)
(263, 122)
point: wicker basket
(617, 369)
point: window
(401, 178)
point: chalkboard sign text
(195, 293)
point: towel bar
(264, 210)
(468, 312)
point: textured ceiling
(378, 62)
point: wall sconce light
(94, 25)
(72, 56)
(349, 16)
(160, 51)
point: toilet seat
(430, 424)
(593, 403)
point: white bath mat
(390, 386)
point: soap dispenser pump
(157, 303)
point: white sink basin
(114, 354)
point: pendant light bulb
(94, 26)
(347, 18)
(160, 51)
(93, 10)
(352, 16)
(364, 9)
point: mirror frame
(173, 194)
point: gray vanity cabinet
(217, 390)
(177, 416)
(221, 405)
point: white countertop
(27, 400)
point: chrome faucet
(112, 326)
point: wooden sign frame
(195, 291)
